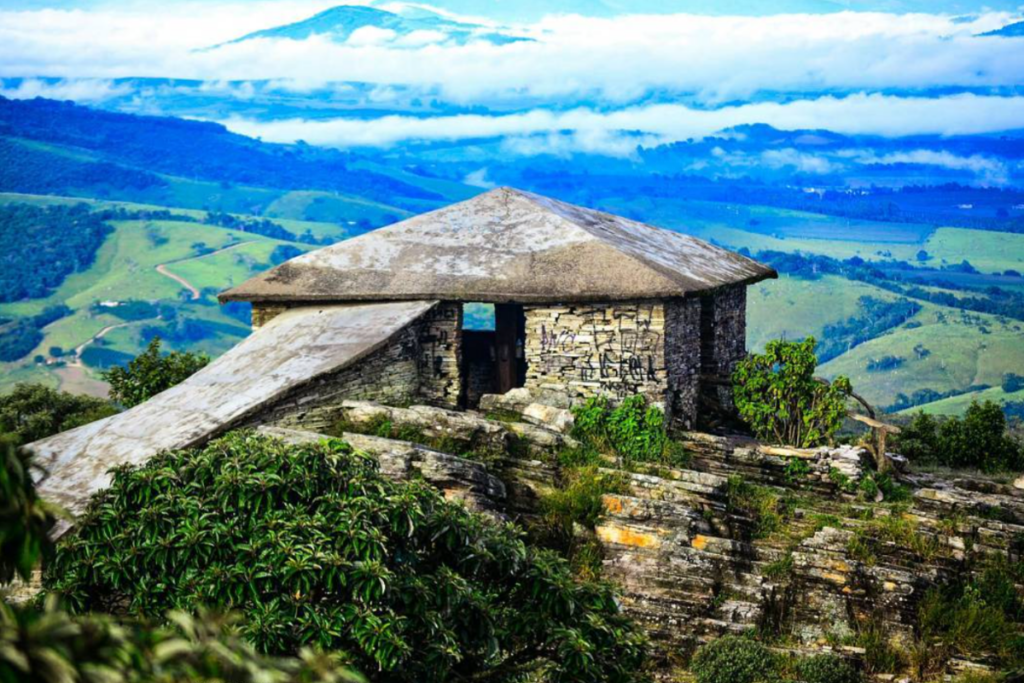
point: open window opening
(493, 350)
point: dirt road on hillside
(193, 290)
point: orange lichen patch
(889, 585)
(839, 566)
(699, 542)
(622, 536)
(612, 505)
(834, 578)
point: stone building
(585, 303)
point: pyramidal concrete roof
(506, 245)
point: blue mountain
(531, 10)
(339, 23)
(1009, 31)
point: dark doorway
(493, 350)
(509, 342)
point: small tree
(778, 396)
(150, 373)
(35, 411)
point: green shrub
(778, 397)
(978, 440)
(315, 548)
(881, 655)
(827, 669)
(979, 616)
(150, 372)
(25, 519)
(766, 508)
(632, 430)
(578, 500)
(33, 411)
(732, 659)
(51, 646)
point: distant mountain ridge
(1015, 30)
(341, 22)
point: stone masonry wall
(391, 374)
(582, 350)
(419, 365)
(264, 313)
(440, 355)
(723, 329)
(682, 358)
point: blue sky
(607, 78)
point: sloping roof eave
(237, 294)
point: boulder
(457, 478)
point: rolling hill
(193, 209)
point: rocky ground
(792, 545)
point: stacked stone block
(263, 313)
(723, 331)
(581, 350)
(391, 374)
(440, 355)
(682, 358)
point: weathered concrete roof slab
(506, 245)
(290, 350)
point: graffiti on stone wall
(617, 348)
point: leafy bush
(314, 547)
(150, 373)
(827, 669)
(25, 519)
(1012, 382)
(978, 440)
(777, 395)
(632, 430)
(578, 501)
(981, 615)
(732, 659)
(34, 411)
(766, 508)
(51, 646)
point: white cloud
(618, 132)
(79, 90)
(616, 61)
(987, 168)
(478, 178)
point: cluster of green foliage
(18, 336)
(736, 659)
(982, 615)
(315, 548)
(892, 492)
(49, 645)
(978, 440)
(777, 395)
(34, 411)
(896, 530)
(25, 519)
(570, 513)
(632, 430)
(151, 372)
(766, 508)
(42, 246)
(382, 426)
